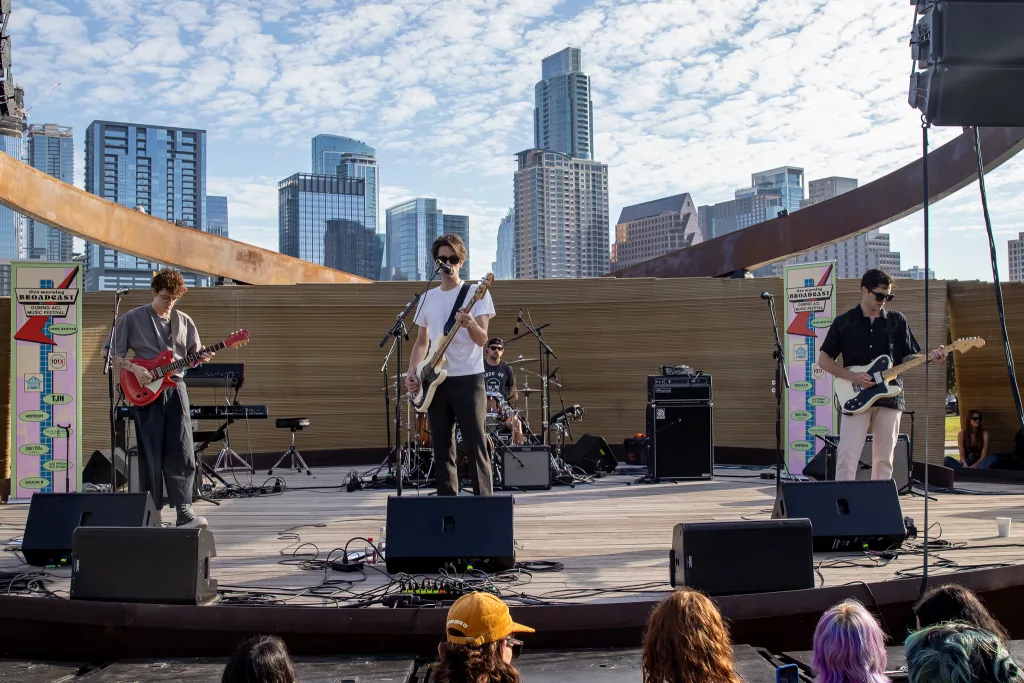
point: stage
(611, 539)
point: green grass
(952, 427)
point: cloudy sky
(689, 96)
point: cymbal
(522, 360)
(529, 390)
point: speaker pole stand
(781, 376)
(109, 372)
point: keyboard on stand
(214, 412)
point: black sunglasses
(975, 418)
(496, 348)
(516, 645)
(451, 260)
(881, 296)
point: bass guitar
(430, 371)
(164, 365)
(852, 399)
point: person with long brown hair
(687, 642)
(973, 445)
(479, 647)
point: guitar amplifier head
(526, 467)
(687, 388)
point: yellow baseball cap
(480, 618)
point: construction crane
(40, 99)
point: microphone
(519, 319)
(123, 291)
(766, 296)
(441, 265)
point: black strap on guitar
(455, 309)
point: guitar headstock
(965, 344)
(482, 286)
(238, 338)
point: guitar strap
(455, 309)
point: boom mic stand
(546, 354)
(781, 375)
(399, 331)
(107, 370)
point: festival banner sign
(46, 378)
(809, 408)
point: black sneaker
(187, 518)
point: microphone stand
(781, 375)
(546, 354)
(399, 331)
(108, 371)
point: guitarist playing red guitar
(163, 425)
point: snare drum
(498, 412)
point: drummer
(500, 384)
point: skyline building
(459, 225)
(561, 216)
(51, 149)
(328, 150)
(1015, 251)
(651, 229)
(11, 222)
(788, 181)
(306, 202)
(917, 273)
(217, 215)
(411, 227)
(504, 266)
(563, 115)
(729, 216)
(353, 247)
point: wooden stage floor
(611, 537)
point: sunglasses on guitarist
(450, 260)
(882, 296)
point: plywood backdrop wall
(314, 352)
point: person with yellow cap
(479, 647)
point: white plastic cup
(1004, 526)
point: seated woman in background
(263, 659)
(849, 646)
(479, 647)
(973, 445)
(687, 642)
(956, 653)
(953, 602)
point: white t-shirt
(463, 357)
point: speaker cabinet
(592, 454)
(525, 467)
(146, 564)
(717, 557)
(425, 534)
(845, 515)
(53, 518)
(97, 469)
(901, 463)
(681, 440)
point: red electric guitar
(164, 365)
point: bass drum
(462, 459)
(422, 430)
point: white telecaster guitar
(853, 399)
(431, 371)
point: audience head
(953, 602)
(849, 646)
(959, 653)
(479, 647)
(263, 659)
(687, 642)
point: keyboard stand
(228, 459)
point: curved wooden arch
(880, 202)
(43, 198)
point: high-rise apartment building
(157, 169)
(563, 115)
(353, 247)
(306, 202)
(561, 216)
(736, 214)
(504, 266)
(328, 151)
(11, 222)
(412, 227)
(217, 215)
(827, 188)
(1016, 254)
(459, 225)
(788, 181)
(654, 228)
(51, 149)
(349, 158)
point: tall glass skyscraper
(459, 225)
(412, 227)
(563, 115)
(156, 169)
(354, 248)
(788, 180)
(217, 215)
(505, 260)
(11, 222)
(348, 158)
(306, 202)
(51, 149)
(329, 149)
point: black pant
(461, 399)
(165, 447)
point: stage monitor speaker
(425, 534)
(845, 515)
(591, 454)
(97, 469)
(716, 557)
(54, 517)
(525, 467)
(815, 469)
(681, 441)
(144, 564)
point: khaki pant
(884, 425)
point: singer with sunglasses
(461, 397)
(861, 334)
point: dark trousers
(464, 400)
(165, 447)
